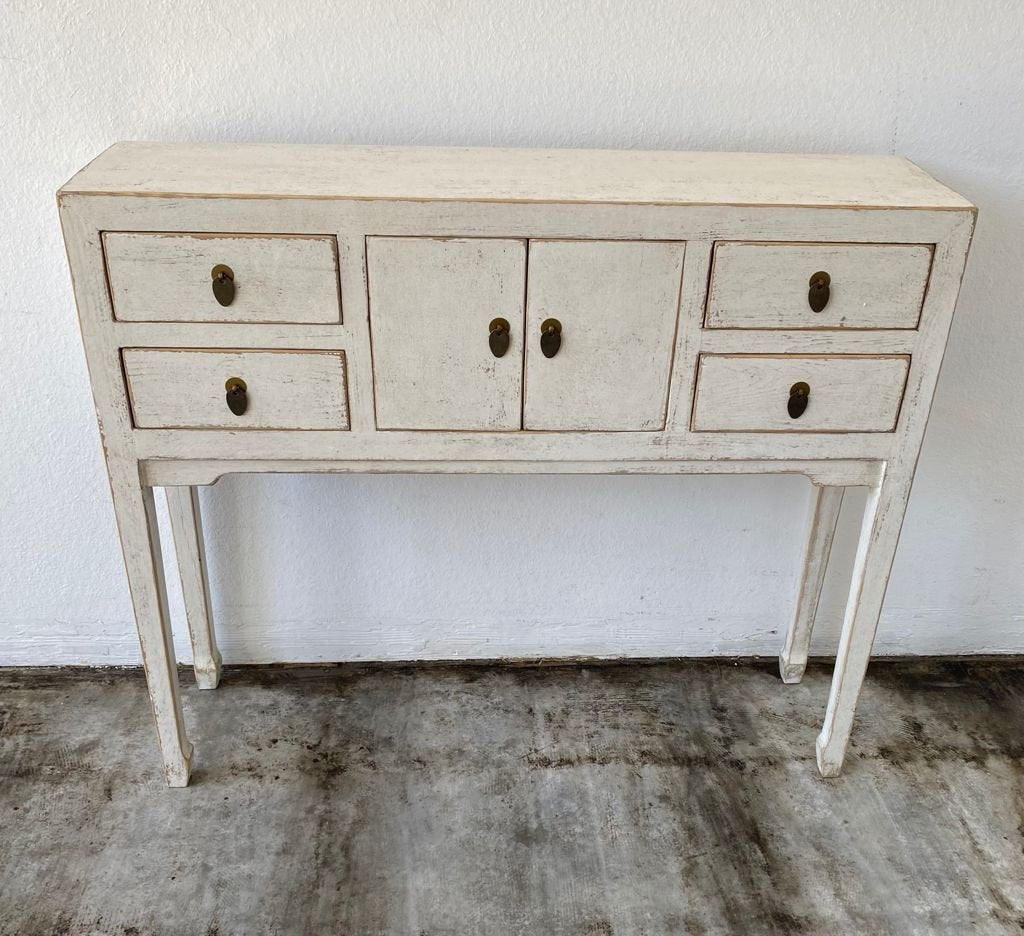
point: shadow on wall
(371, 567)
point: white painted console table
(254, 308)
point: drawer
(763, 285)
(751, 392)
(177, 389)
(275, 278)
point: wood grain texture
(285, 389)
(618, 302)
(750, 393)
(766, 285)
(166, 277)
(431, 304)
(531, 175)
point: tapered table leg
(826, 502)
(140, 543)
(880, 532)
(187, 529)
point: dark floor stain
(375, 800)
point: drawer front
(751, 393)
(432, 301)
(768, 285)
(170, 389)
(617, 303)
(275, 278)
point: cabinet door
(617, 303)
(432, 301)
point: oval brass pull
(550, 337)
(799, 394)
(223, 284)
(236, 396)
(818, 294)
(499, 337)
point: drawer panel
(277, 278)
(764, 285)
(178, 389)
(750, 392)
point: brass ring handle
(819, 291)
(550, 337)
(499, 337)
(799, 395)
(236, 396)
(223, 284)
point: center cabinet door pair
(432, 303)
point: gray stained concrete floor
(674, 798)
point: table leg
(880, 533)
(187, 529)
(826, 502)
(135, 510)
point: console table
(266, 308)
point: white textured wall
(385, 567)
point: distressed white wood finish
(617, 302)
(135, 511)
(494, 174)
(431, 305)
(885, 510)
(187, 530)
(876, 549)
(365, 197)
(766, 285)
(167, 277)
(826, 502)
(750, 393)
(854, 473)
(286, 389)
(133, 500)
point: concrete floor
(674, 798)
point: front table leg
(140, 543)
(879, 536)
(827, 499)
(187, 530)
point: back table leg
(825, 505)
(140, 542)
(880, 533)
(187, 529)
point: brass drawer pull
(799, 394)
(499, 336)
(818, 294)
(223, 284)
(236, 396)
(550, 337)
